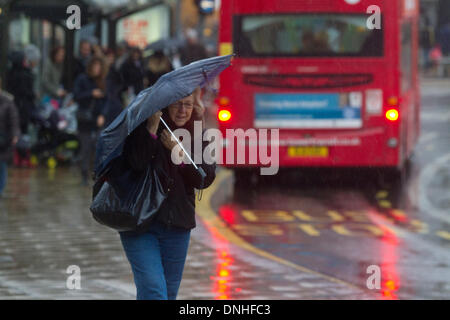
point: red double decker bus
(338, 78)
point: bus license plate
(316, 152)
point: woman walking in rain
(157, 256)
(88, 92)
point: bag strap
(202, 183)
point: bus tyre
(395, 178)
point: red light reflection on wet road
(223, 276)
(390, 280)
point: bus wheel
(394, 178)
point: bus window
(306, 35)
(406, 56)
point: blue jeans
(157, 259)
(3, 175)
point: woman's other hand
(199, 107)
(153, 122)
(167, 141)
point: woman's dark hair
(54, 52)
(89, 70)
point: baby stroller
(56, 141)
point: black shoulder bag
(126, 200)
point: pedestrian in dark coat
(158, 65)
(157, 256)
(88, 92)
(115, 87)
(9, 134)
(20, 83)
(193, 50)
(132, 71)
(81, 62)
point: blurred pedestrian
(193, 50)
(157, 256)
(426, 42)
(20, 83)
(444, 39)
(85, 54)
(9, 133)
(158, 65)
(109, 57)
(114, 88)
(436, 59)
(132, 71)
(122, 54)
(89, 93)
(52, 74)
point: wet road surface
(342, 223)
(45, 227)
(304, 235)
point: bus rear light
(392, 115)
(224, 115)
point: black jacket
(19, 83)
(82, 92)
(192, 52)
(114, 89)
(178, 210)
(133, 75)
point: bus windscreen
(306, 35)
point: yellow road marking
(334, 215)
(443, 234)
(381, 194)
(385, 204)
(398, 213)
(205, 211)
(375, 230)
(419, 226)
(301, 215)
(267, 216)
(309, 229)
(340, 229)
(249, 215)
(258, 230)
(284, 216)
